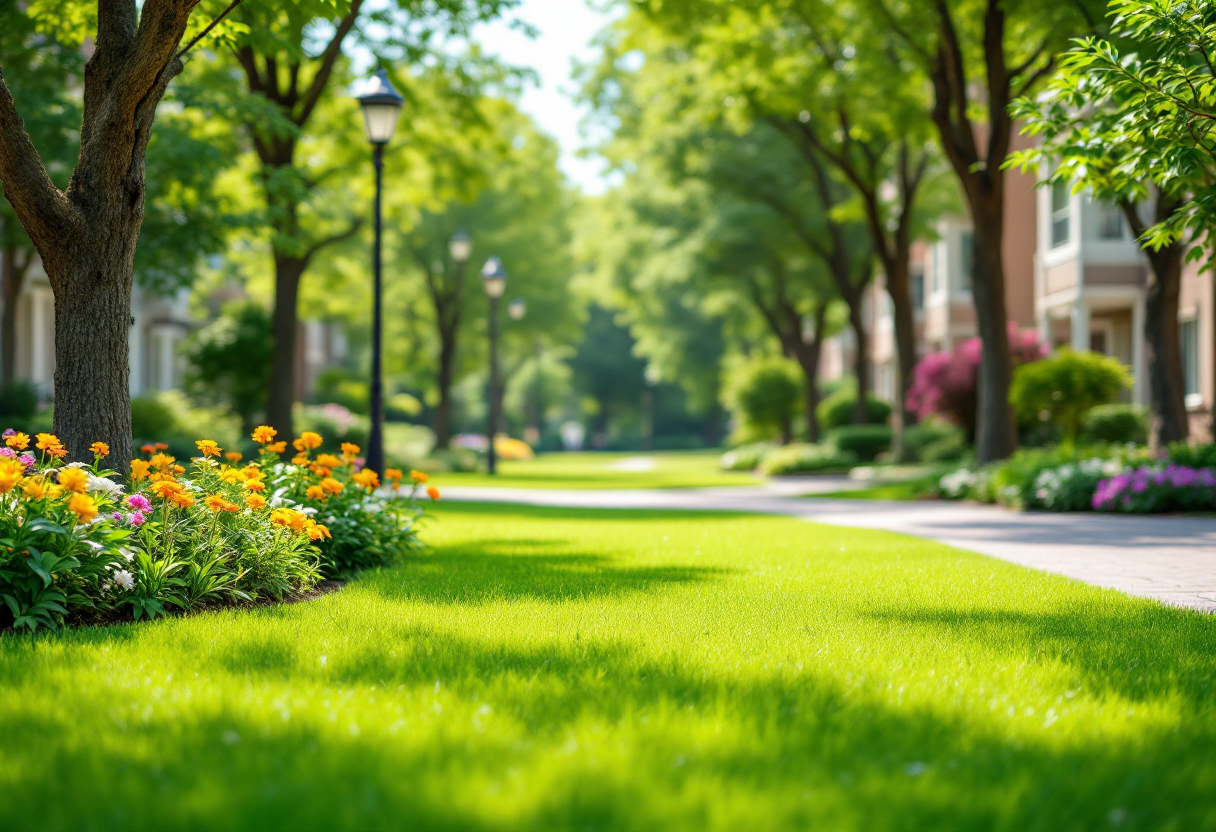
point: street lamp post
(652, 379)
(381, 106)
(494, 279)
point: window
(1060, 213)
(1110, 222)
(966, 254)
(1189, 331)
(918, 290)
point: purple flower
(8, 433)
(117, 516)
(8, 452)
(28, 461)
(137, 518)
(139, 502)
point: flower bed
(77, 545)
(1154, 489)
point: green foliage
(746, 457)
(862, 441)
(230, 360)
(334, 422)
(18, 403)
(1116, 423)
(1199, 455)
(802, 458)
(763, 395)
(1064, 387)
(151, 417)
(934, 440)
(172, 418)
(837, 410)
(340, 386)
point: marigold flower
(182, 499)
(17, 441)
(289, 518)
(139, 469)
(367, 478)
(300, 459)
(255, 485)
(255, 501)
(264, 434)
(11, 472)
(231, 475)
(315, 492)
(83, 506)
(161, 446)
(307, 441)
(74, 480)
(332, 485)
(419, 477)
(166, 488)
(350, 450)
(276, 448)
(316, 531)
(432, 492)
(177, 469)
(208, 447)
(393, 475)
(320, 470)
(162, 461)
(46, 441)
(328, 461)
(217, 502)
(100, 449)
(58, 452)
(233, 456)
(34, 487)
(147, 449)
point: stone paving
(1171, 559)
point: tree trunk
(808, 356)
(284, 328)
(905, 336)
(447, 372)
(861, 360)
(1166, 385)
(12, 278)
(996, 435)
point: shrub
(1069, 487)
(151, 418)
(764, 395)
(934, 440)
(746, 457)
(1064, 388)
(1193, 456)
(947, 449)
(1116, 423)
(863, 441)
(1153, 489)
(18, 402)
(836, 411)
(338, 424)
(803, 458)
(946, 384)
(229, 360)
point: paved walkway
(1172, 559)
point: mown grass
(562, 670)
(600, 470)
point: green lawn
(918, 489)
(563, 670)
(670, 469)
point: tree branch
(332, 50)
(207, 29)
(332, 239)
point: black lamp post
(381, 106)
(494, 279)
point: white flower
(105, 486)
(124, 578)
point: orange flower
(233, 456)
(367, 478)
(182, 500)
(315, 492)
(161, 446)
(393, 475)
(100, 449)
(59, 452)
(308, 441)
(432, 492)
(255, 485)
(276, 448)
(264, 434)
(328, 461)
(289, 518)
(208, 447)
(139, 469)
(231, 475)
(350, 450)
(147, 449)
(34, 487)
(166, 488)
(75, 480)
(46, 441)
(255, 501)
(11, 472)
(315, 530)
(332, 485)
(162, 461)
(18, 441)
(83, 506)
(217, 502)
(300, 459)
(320, 470)
(419, 477)
(177, 469)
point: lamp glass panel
(379, 122)
(461, 249)
(495, 286)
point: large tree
(86, 234)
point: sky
(565, 31)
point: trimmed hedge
(801, 458)
(836, 411)
(863, 441)
(1120, 423)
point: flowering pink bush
(1153, 489)
(946, 383)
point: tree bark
(861, 360)
(285, 333)
(12, 278)
(898, 287)
(807, 354)
(447, 373)
(996, 433)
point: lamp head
(494, 278)
(460, 246)
(381, 105)
(516, 309)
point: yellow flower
(11, 472)
(419, 477)
(100, 449)
(217, 502)
(83, 506)
(182, 499)
(307, 441)
(432, 492)
(300, 459)
(73, 479)
(350, 450)
(289, 518)
(162, 461)
(54, 491)
(255, 501)
(46, 441)
(255, 485)
(276, 448)
(332, 485)
(231, 475)
(139, 469)
(264, 434)
(233, 456)
(166, 488)
(328, 461)
(34, 488)
(315, 492)
(315, 530)
(59, 452)
(18, 441)
(208, 447)
(367, 478)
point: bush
(764, 395)
(934, 440)
(836, 410)
(946, 384)
(229, 360)
(1193, 456)
(171, 417)
(803, 458)
(1116, 423)
(18, 402)
(1070, 487)
(343, 387)
(863, 441)
(336, 423)
(746, 457)
(1064, 388)
(947, 449)
(151, 418)
(1154, 489)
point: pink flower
(137, 518)
(139, 502)
(117, 516)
